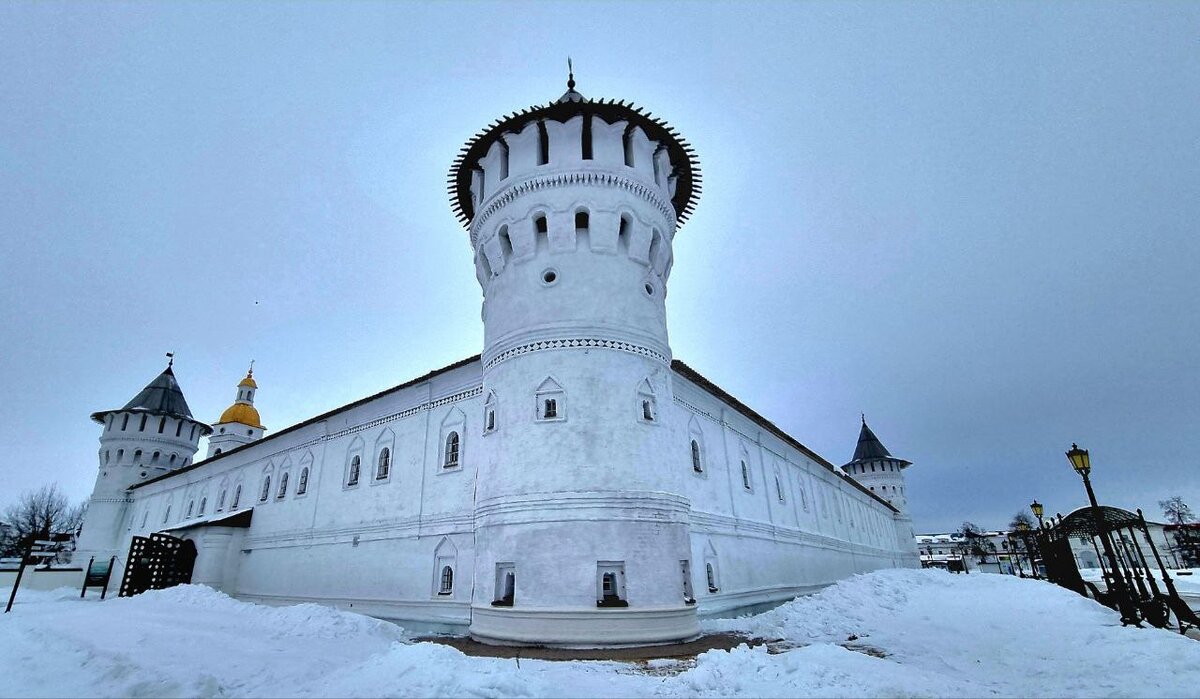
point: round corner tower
(154, 433)
(581, 534)
(874, 467)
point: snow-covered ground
(915, 633)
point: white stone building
(574, 484)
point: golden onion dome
(243, 413)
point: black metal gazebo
(1128, 571)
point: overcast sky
(976, 223)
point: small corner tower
(152, 434)
(875, 468)
(240, 423)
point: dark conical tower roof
(870, 448)
(162, 396)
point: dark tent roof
(1082, 522)
(162, 396)
(870, 448)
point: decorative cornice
(582, 342)
(563, 179)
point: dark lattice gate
(156, 562)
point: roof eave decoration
(683, 155)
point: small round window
(649, 289)
(549, 276)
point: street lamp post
(1083, 466)
(1023, 532)
(1037, 511)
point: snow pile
(938, 635)
(997, 634)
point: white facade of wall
(379, 547)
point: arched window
(191, 505)
(162, 424)
(125, 422)
(355, 467)
(221, 499)
(283, 479)
(217, 452)
(623, 233)
(655, 245)
(203, 505)
(540, 224)
(266, 489)
(154, 457)
(447, 585)
(179, 428)
(506, 247)
(646, 402)
(581, 220)
(451, 451)
(745, 475)
(171, 462)
(778, 488)
(120, 455)
(167, 513)
(137, 456)
(712, 577)
(237, 496)
(385, 462)
(302, 486)
(627, 144)
(142, 427)
(696, 465)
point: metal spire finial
(170, 359)
(864, 418)
(570, 75)
(251, 372)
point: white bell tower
(240, 423)
(572, 208)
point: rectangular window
(506, 585)
(550, 408)
(610, 584)
(685, 567)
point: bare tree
(40, 513)
(1176, 510)
(973, 541)
(1021, 517)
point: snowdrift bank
(940, 635)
